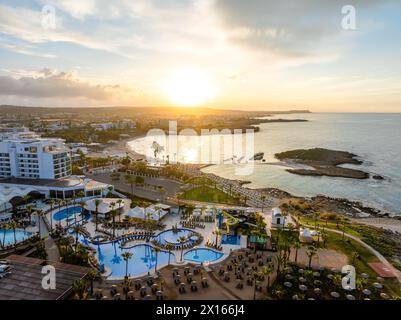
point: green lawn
(208, 194)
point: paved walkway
(378, 255)
(50, 244)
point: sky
(231, 54)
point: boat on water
(258, 156)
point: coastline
(355, 209)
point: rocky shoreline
(323, 162)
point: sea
(374, 137)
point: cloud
(288, 28)
(49, 83)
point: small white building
(305, 235)
(277, 218)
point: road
(171, 187)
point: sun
(189, 87)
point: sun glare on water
(189, 87)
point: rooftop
(25, 280)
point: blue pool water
(169, 236)
(9, 236)
(231, 239)
(66, 213)
(202, 255)
(142, 261)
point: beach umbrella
(379, 279)
(364, 275)
(335, 294)
(318, 291)
(303, 288)
(301, 271)
(302, 279)
(288, 284)
(367, 292)
(330, 276)
(289, 277)
(384, 296)
(378, 286)
(316, 274)
(317, 283)
(350, 297)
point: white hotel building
(23, 154)
(29, 163)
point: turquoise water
(142, 261)
(202, 255)
(9, 236)
(67, 213)
(231, 239)
(374, 137)
(169, 236)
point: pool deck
(170, 220)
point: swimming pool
(142, 261)
(170, 236)
(202, 255)
(67, 213)
(7, 236)
(231, 239)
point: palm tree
(91, 275)
(297, 245)
(39, 214)
(82, 205)
(157, 250)
(255, 276)
(169, 247)
(355, 255)
(13, 225)
(182, 240)
(262, 198)
(311, 251)
(79, 288)
(217, 232)
(119, 202)
(80, 194)
(113, 214)
(97, 204)
(26, 198)
(78, 229)
(267, 270)
(60, 204)
(4, 227)
(131, 181)
(29, 209)
(51, 203)
(126, 256)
